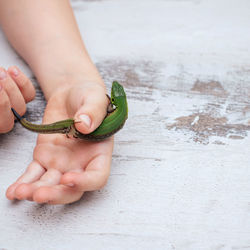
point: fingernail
(15, 71)
(70, 184)
(85, 119)
(3, 74)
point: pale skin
(46, 35)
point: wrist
(60, 77)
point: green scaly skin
(113, 122)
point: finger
(94, 177)
(58, 194)
(6, 116)
(33, 173)
(92, 110)
(23, 82)
(26, 191)
(16, 98)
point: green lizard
(117, 113)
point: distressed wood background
(180, 174)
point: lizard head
(116, 92)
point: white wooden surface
(180, 175)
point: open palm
(64, 168)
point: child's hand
(64, 168)
(15, 91)
(72, 85)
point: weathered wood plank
(180, 171)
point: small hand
(15, 91)
(64, 168)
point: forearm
(46, 35)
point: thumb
(92, 112)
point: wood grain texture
(180, 174)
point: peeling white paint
(166, 190)
(196, 119)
